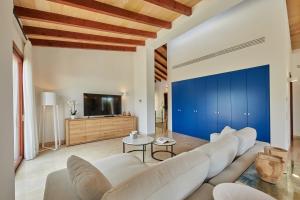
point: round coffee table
(167, 145)
(141, 140)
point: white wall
(72, 72)
(144, 83)
(6, 108)
(295, 60)
(247, 21)
(18, 37)
(160, 89)
(140, 85)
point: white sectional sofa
(191, 175)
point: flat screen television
(102, 104)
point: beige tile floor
(31, 175)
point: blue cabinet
(211, 106)
(239, 99)
(177, 106)
(258, 102)
(224, 102)
(239, 108)
(200, 128)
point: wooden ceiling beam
(160, 74)
(173, 5)
(162, 51)
(160, 77)
(32, 14)
(162, 71)
(161, 60)
(160, 66)
(29, 30)
(160, 54)
(63, 44)
(157, 79)
(99, 7)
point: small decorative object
(124, 113)
(73, 110)
(133, 134)
(269, 167)
(275, 151)
(128, 114)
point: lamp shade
(48, 99)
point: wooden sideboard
(85, 130)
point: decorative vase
(269, 167)
(282, 153)
(73, 116)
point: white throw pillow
(221, 153)
(227, 130)
(247, 139)
(175, 178)
(89, 183)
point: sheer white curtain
(31, 144)
(16, 108)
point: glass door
(18, 106)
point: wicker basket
(282, 153)
(269, 167)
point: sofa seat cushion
(221, 153)
(237, 168)
(247, 138)
(175, 178)
(204, 192)
(88, 182)
(118, 168)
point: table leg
(123, 147)
(172, 151)
(151, 149)
(144, 148)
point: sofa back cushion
(88, 182)
(221, 153)
(175, 178)
(247, 139)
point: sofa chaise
(190, 175)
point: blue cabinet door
(239, 99)
(187, 112)
(211, 104)
(200, 127)
(177, 103)
(224, 102)
(259, 101)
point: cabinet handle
(245, 113)
(249, 114)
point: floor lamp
(49, 100)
